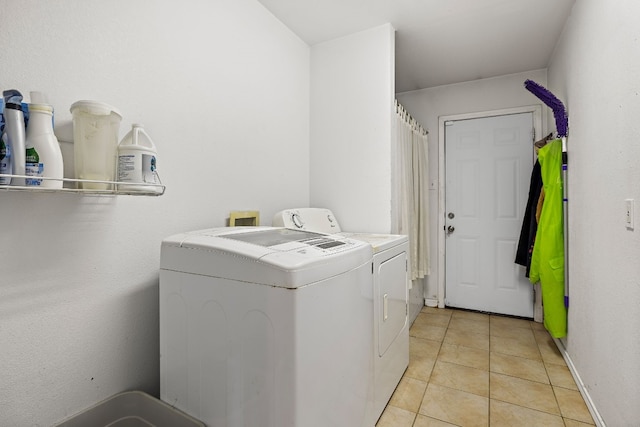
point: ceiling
(439, 42)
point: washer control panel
(311, 219)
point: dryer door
(392, 300)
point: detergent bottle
(137, 164)
(5, 151)
(14, 133)
(43, 155)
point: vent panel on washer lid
(273, 237)
(324, 243)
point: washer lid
(264, 255)
(275, 237)
(379, 242)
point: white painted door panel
(488, 167)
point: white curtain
(411, 192)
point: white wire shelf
(111, 187)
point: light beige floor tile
(542, 335)
(574, 423)
(418, 323)
(525, 393)
(466, 339)
(519, 394)
(510, 322)
(408, 394)
(466, 356)
(519, 367)
(435, 319)
(508, 415)
(396, 417)
(549, 350)
(422, 357)
(422, 421)
(520, 334)
(552, 357)
(515, 347)
(423, 347)
(560, 376)
(420, 368)
(462, 314)
(436, 310)
(455, 406)
(469, 325)
(537, 326)
(460, 377)
(422, 329)
(572, 405)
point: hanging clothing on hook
(529, 224)
(547, 262)
(531, 215)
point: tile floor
(475, 369)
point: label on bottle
(126, 168)
(149, 169)
(33, 167)
(137, 168)
(5, 161)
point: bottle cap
(94, 107)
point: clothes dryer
(267, 327)
(390, 290)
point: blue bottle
(5, 151)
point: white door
(488, 170)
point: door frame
(537, 129)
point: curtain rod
(404, 114)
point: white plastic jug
(43, 155)
(137, 162)
(95, 142)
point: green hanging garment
(547, 262)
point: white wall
(352, 92)
(428, 105)
(596, 72)
(223, 89)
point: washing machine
(390, 289)
(267, 327)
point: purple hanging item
(559, 112)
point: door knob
(450, 229)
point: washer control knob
(297, 221)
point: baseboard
(583, 390)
